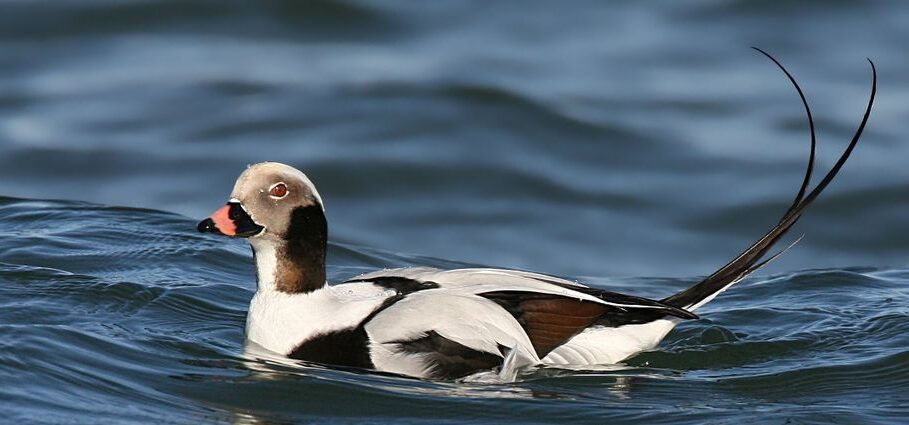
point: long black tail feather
(750, 259)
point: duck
(431, 323)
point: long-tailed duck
(448, 324)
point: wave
(104, 306)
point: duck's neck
(294, 263)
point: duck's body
(432, 323)
(449, 323)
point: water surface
(634, 146)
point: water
(633, 146)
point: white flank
(604, 345)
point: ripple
(161, 318)
(885, 373)
(613, 142)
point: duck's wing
(549, 310)
(480, 281)
(440, 334)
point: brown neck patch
(301, 258)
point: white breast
(279, 322)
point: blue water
(634, 146)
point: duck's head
(264, 202)
(277, 207)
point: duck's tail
(753, 258)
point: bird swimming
(449, 324)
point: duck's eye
(278, 191)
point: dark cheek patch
(302, 257)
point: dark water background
(632, 145)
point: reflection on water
(617, 382)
